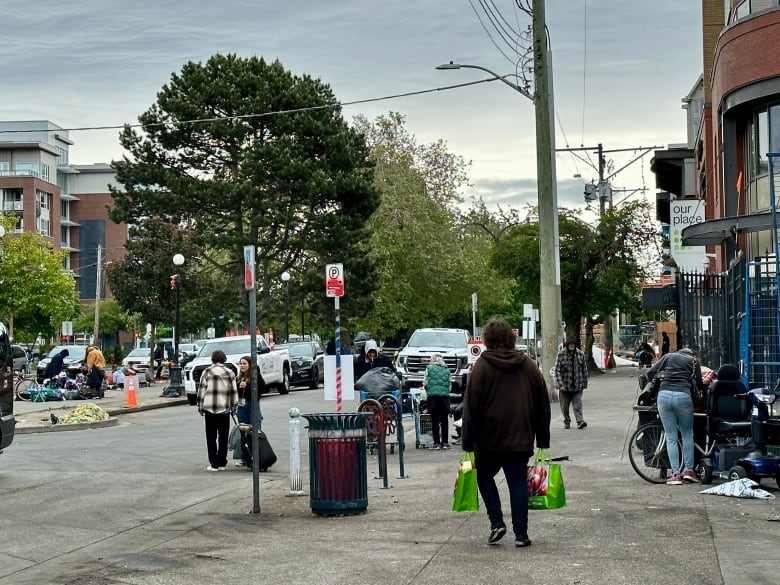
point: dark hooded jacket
(56, 364)
(506, 406)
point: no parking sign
(476, 347)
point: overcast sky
(621, 69)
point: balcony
(13, 206)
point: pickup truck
(273, 365)
(7, 420)
(450, 344)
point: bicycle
(30, 390)
(647, 452)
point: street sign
(475, 349)
(249, 267)
(334, 280)
(67, 328)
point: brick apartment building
(64, 203)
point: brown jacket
(95, 359)
(506, 406)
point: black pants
(158, 373)
(217, 430)
(95, 381)
(439, 409)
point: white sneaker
(210, 468)
(240, 463)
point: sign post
(334, 287)
(249, 285)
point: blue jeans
(244, 414)
(515, 466)
(676, 410)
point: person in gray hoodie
(506, 408)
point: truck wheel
(284, 385)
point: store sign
(684, 213)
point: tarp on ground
(739, 488)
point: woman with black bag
(681, 374)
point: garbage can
(338, 482)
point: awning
(715, 231)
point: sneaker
(522, 541)
(210, 468)
(566, 425)
(496, 534)
(582, 425)
(445, 446)
(240, 463)
(435, 447)
(691, 476)
(675, 479)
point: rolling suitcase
(265, 457)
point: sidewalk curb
(113, 413)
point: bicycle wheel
(22, 388)
(647, 452)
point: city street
(133, 504)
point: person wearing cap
(680, 371)
(571, 377)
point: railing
(13, 205)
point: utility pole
(549, 287)
(96, 328)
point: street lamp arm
(502, 78)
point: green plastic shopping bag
(545, 484)
(465, 497)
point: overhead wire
(263, 114)
(492, 40)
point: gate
(709, 311)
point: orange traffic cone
(132, 401)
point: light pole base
(175, 388)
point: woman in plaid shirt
(217, 398)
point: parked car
(20, 358)
(307, 360)
(77, 354)
(138, 358)
(187, 352)
(7, 420)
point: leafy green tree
(428, 261)
(113, 319)
(602, 266)
(243, 152)
(36, 294)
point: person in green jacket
(436, 382)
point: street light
(549, 262)
(286, 280)
(175, 387)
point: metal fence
(709, 309)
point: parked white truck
(274, 365)
(450, 344)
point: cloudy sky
(621, 69)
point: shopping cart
(422, 420)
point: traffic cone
(132, 401)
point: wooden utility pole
(96, 328)
(549, 281)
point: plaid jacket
(571, 370)
(217, 391)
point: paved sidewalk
(35, 417)
(616, 528)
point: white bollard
(296, 484)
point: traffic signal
(174, 281)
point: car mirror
(264, 349)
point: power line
(264, 114)
(492, 40)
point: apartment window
(65, 237)
(5, 169)
(42, 212)
(762, 142)
(64, 210)
(62, 156)
(13, 200)
(45, 172)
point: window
(13, 200)
(45, 172)
(42, 212)
(762, 142)
(4, 168)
